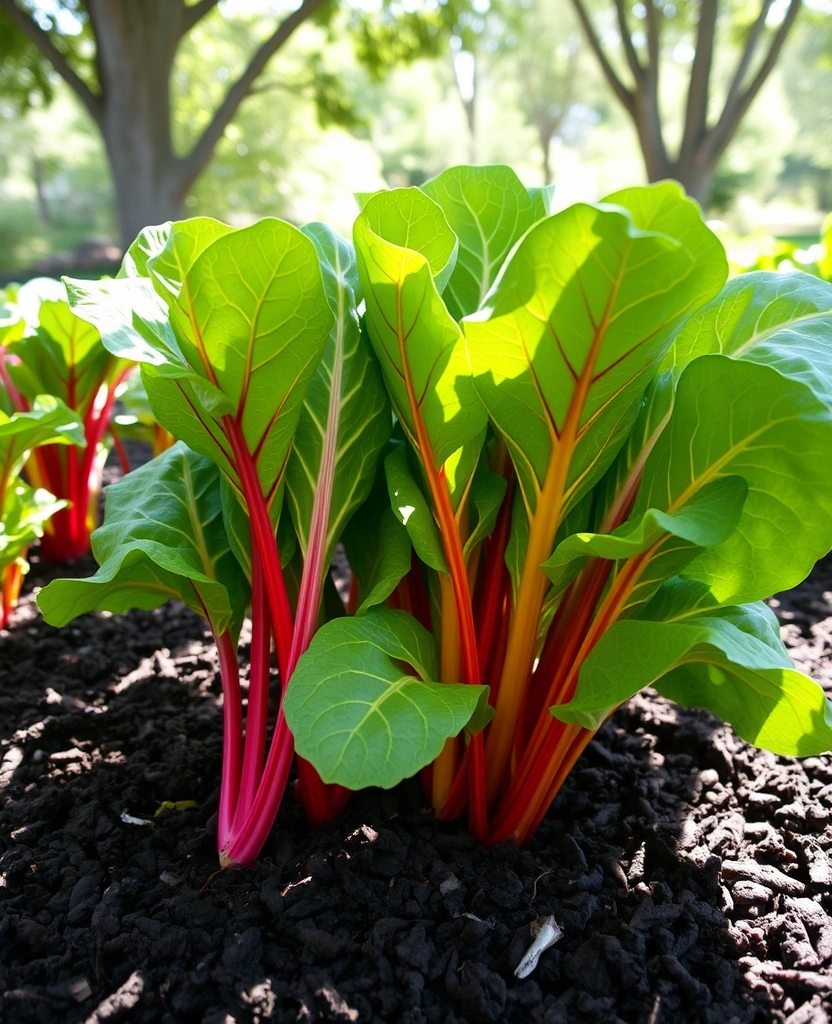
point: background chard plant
(565, 459)
(51, 351)
(25, 510)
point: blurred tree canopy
(652, 33)
(118, 57)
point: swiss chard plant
(25, 510)
(564, 458)
(251, 353)
(56, 353)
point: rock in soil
(689, 872)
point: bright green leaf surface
(412, 509)
(673, 539)
(488, 209)
(401, 246)
(780, 320)
(163, 537)
(577, 323)
(358, 717)
(48, 422)
(711, 662)
(346, 398)
(737, 418)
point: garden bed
(689, 872)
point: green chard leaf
(576, 326)
(23, 515)
(488, 209)
(672, 539)
(378, 547)
(236, 329)
(163, 537)
(718, 661)
(406, 251)
(355, 712)
(742, 419)
(412, 509)
(61, 354)
(779, 320)
(49, 421)
(346, 418)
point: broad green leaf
(576, 325)
(378, 547)
(737, 418)
(780, 320)
(48, 422)
(711, 662)
(163, 537)
(679, 600)
(62, 354)
(404, 247)
(542, 199)
(672, 539)
(346, 418)
(148, 243)
(130, 316)
(413, 510)
(250, 320)
(405, 218)
(488, 209)
(355, 713)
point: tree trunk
(696, 177)
(136, 45)
(44, 213)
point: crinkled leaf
(358, 716)
(780, 320)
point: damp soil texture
(689, 872)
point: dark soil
(690, 873)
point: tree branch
(751, 40)
(194, 13)
(654, 31)
(624, 95)
(627, 42)
(696, 110)
(193, 162)
(725, 129)
(43, 41)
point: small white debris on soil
(545, 933)
(449, 885)
(129, 819)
